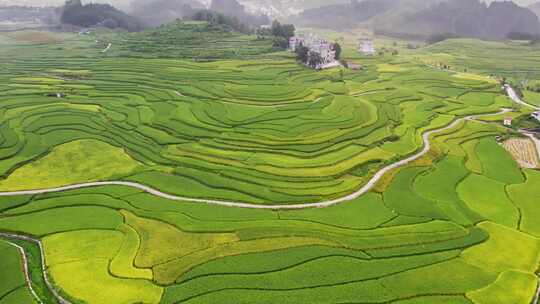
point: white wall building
(366, 47)
(315, 45)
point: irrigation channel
(371, 183)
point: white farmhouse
(507, 121)
(366, 47)
(316, 45)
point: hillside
(92, 14)
(467, 18)
(199, 40)
(234, 9)
(285, 8)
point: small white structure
(366, 47)
(536, 115)
(507, 121)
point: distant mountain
(42, 16)
(122, 4)
(234, 9)
(535, 8)
(285, 8)
(424, 18)
(158, 12)
(465, 18)
(92, 14)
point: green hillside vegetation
(194, 39)
(93, 14)
(262, 130)
(13, 287)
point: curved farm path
(366, 188)
(514, 96)
(107, 48)
(24, 255)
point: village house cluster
(326, 50)
(315, 45)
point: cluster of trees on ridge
(92, 14)
(229, 15)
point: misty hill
(158, 12)
(464, 18)
(424, 18)
(234, 9)
(535, 8)
(41, 15)
(75, 13)
(343, 16)
(284, 8)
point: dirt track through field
(366, 188)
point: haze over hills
(421, 18)
(158, 12)
(535, 7)
(273, 8)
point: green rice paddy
(457, 226)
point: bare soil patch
(524, 152)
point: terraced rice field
(261, 132)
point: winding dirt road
(366, 188)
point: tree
(287, 31)
(280, 42)
(315, 60)
(338, 50)
(302, 53)
(276, 29)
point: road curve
(366, 188)
(107, 48)
(50, 286)
(514, 96)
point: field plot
(13, 286)
(263, 132)
(524, 152)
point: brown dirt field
(35, 37)
(524, 152)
